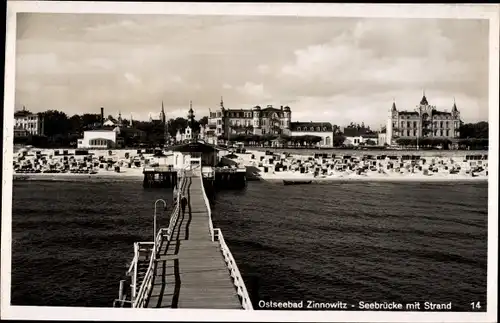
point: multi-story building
(425, 122)
(257, 121)
(208, 135)
(357, 136)
(30, 123)
(320, 129)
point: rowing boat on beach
(296, 182)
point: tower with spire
(119, 120)
(163, 119)
(191, 119)
(390, 120)
(456, 119)
(423, 122)
(222, 103)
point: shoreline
(274, 179)
(256, 161)
(401, 179)
(72, 176)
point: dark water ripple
(352, 241)
(360, 241)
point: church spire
(424, 99)
(221, 103)
(162, 113)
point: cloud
(251, 89)
(263, 69)
(131, 78)
(326, 69)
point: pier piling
(160, 177)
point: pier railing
(235, 272)
(147, 282)
(209, 209)
(228, 256)
(139, 298)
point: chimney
(102, 116)
(281, 108)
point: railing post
(134, 278)
(154, 225)
(120, 291)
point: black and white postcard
(250, 162)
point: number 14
(475, 305)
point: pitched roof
(355, 132)
(424, 101)
(442, 113)
(271, 109)
(306, 126)
(197, 146)
(408, 113)
(23, 113)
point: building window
(414, 132)
(402, 124)
(441, 132)
(447, 133)
(441, 124)
(408, 133)
(447, 124)
(414, 124)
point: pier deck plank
(191, 272)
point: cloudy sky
(339, 70)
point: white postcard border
(457, 11)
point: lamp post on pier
(154, 225)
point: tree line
(282, 140)
(473, 136)
(61, 130)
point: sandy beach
(65, 164)
(307, 167)
(271, 166)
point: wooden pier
(192, 266)
(159, 177)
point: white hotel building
(28, 123)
